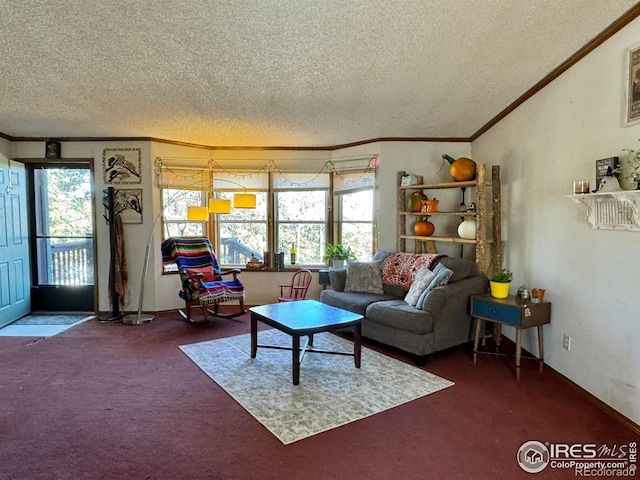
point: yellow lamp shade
(197, 214)
(244, 200)
(219, 205)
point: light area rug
(331, 393)
(43, 325)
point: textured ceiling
(279, 72)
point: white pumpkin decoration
(467, 229)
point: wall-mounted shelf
(611, 210)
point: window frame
(326, 222)
(339, 221)
(333, 209)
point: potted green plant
(629, 170)
(500, 282)
(338, 254)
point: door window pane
(64, 228)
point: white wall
(419, 158)
(591, 276)
(5, 148)
(160, 290)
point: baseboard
(609, 410)
(627, 422)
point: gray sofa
(442, 322)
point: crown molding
(216, 147)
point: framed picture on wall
(121, 165)
(632, 111)
(127, 202)
(604, 167)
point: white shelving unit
(611, 210)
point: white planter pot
(338, 263)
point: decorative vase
(414, 201)
(499, 290)
(467, 229)
(429, 206)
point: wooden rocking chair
(201, 277)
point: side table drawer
(493, 311)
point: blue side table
(508, 311)
(323, 278)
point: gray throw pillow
(443, 274)
(364, 277)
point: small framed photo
(121, 165)
(52, 150)
(605, 167)
(632, 110)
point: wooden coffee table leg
(357, 343)
(254, 337)
(296, 359)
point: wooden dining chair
(297, 289)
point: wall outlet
(566, 342)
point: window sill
(264, 270)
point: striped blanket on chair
(195, 256)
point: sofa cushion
(399, 314)
(394, 291)
(364, 277)
(338, 277)
(422, 280)
(399, 268)
(355, 302)
(380, 255)
(461, 267)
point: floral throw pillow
(364, 277)
(422, 280)
(400, 268)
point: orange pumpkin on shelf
(424, 228)
(462, 169)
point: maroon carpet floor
(108, 400)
